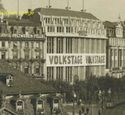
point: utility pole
(83, 6)
(67, 7)
(49, 4)
(18, 8)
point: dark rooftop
(109, 24)
(64, 12)
(22, 83)
(20, 22)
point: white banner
(75, 59)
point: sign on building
(75, 59)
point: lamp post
(74, 96)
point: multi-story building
(22, 45)
(75, 44)
(115, 48)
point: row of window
(23, 30)
(67, 21)
(37, 69)
(68, 29)
(116, 59)
(59, 45)
(26, 44)
(26, 55)
(59, 73)
(75, 45)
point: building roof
(21, 22)
(109, 24)
(23, 84)
(64, 12)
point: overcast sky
(102, 9)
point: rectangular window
(37, 69)
(37, 45)
(120, 57)
(15, 55)
(50, 73)
(68, 45)
(37, 55)
(3, 55)
(26, 70)
(60, 29)
(26, 54)
(68, 74)
(3, 43)
(26, 44)
(14, 45)
(48, 20)
(59, 73)
(50, 29)
(57, 20)
(50, 45)
(66, 21)
(59, 44)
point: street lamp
(74, 96)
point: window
(3, 43)
(120, 57)
(26, 68)
(48, 20)
(12, 29)
(69, 29)
(23, 30)
(59, 73)
(68, 45)
(35, 30)
(3, 55)
(50, 45)
(60, 29)
(0, 29)
(14, 45)
(66, 21)
(15, 54)
(37, 54)
(68, 74)
(26, 44)
(59, 44)
(50, 29)
(9, 80)
(37, 45)
(37, 69)
(50, 73)
(57, 20)
(26, 54)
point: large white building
(75, 44)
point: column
(64, 51)
(44, 55)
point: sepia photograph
(62, 57)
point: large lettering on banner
(75, 59)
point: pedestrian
(87, 110)
(99, 112)
(83, 109)
(80, 113)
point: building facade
(75, 44)
(22, 45)
(115, 48)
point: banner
(75, 59)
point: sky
(102, 9)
